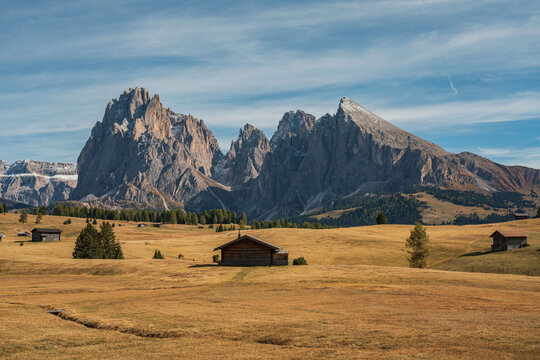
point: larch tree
(417, 246)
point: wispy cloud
(250, 62)
(452, 85)
(514, 155)
(458, 113)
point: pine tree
(111, 249)
(538, 213)
(158, 255)
(24, 217)
(202, 220)
(243, 219)
(87, 243)
(5, 209)
(38, 218)
(417, 246)
(381, 219)
(1, 208)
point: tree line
(367, 210)
(499, 200)
(178, 216)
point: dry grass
(352, 301)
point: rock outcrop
(245, 158)
(37, 183)
(144, 155)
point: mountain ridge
(142, 154)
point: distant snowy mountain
(37, 183)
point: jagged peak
(292, 124)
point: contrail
(452, 85)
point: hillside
(354, 300)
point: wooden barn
(505, 239)
(248, 250)
(40, 234)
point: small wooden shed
(504, 239)
(248, 250)
(41, 234)
(521, 216)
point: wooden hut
(248, 250)
(40, 234)
(505, 239)
(521, 216)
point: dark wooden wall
(37, 236)
(501, 243)
(246, 253)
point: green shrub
(158, 255)
(215, 258)
(180, 256)
(299, 261)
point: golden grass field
(356, 299)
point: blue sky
(463, 74)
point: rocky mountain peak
(245, 157)
(293, 125)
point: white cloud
(514, 156)
(456, 113)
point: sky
(463, 74)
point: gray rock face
(355, 152)
(37, 183)
(144, 155)
(245, 158)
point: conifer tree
(417, 246)
(87, 244)
(111, 249)
(24, 217)
(202, 220)
(243, 219)
(381, 219)
(38, 218)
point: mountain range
(145, 155)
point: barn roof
(510, 233)
(47, 231)
(249, 237)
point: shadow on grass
(477, 253)
(202, 265)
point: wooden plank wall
(246, 252)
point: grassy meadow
(356, 299)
